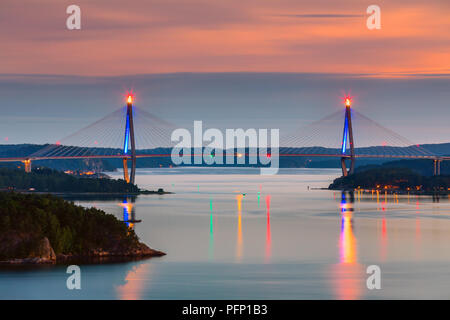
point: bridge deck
(18, 159)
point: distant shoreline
(391, 191)
(89, 193)
(393, 180)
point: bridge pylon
(347, 139)
(129, 143)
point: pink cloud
(161, 36)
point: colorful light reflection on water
(322, 246)
(211, 231)
(239, 249)
(347, 275)
(348, 249)
(268, 235)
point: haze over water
(231, 233)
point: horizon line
(380, 75)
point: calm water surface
(231, 233)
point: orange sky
(162, 36)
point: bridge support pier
(351, 170)
(437, 167)
(126, 176)
(27, 165)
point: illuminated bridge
(130, 133)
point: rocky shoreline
(389, 191)
(393, 180)
(44, 229)
(159, 192)
(43, 254)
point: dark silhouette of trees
(70, 229)
(392, 178)
(49, 180)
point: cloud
(165, 36)
(321, 15)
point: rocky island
(398, 180)
(45, 229)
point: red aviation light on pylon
(348, 101)
(130, 99)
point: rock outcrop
(26, 249)
(138, 252)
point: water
(231, 233)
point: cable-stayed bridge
(130, 133)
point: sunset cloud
(164, 36)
